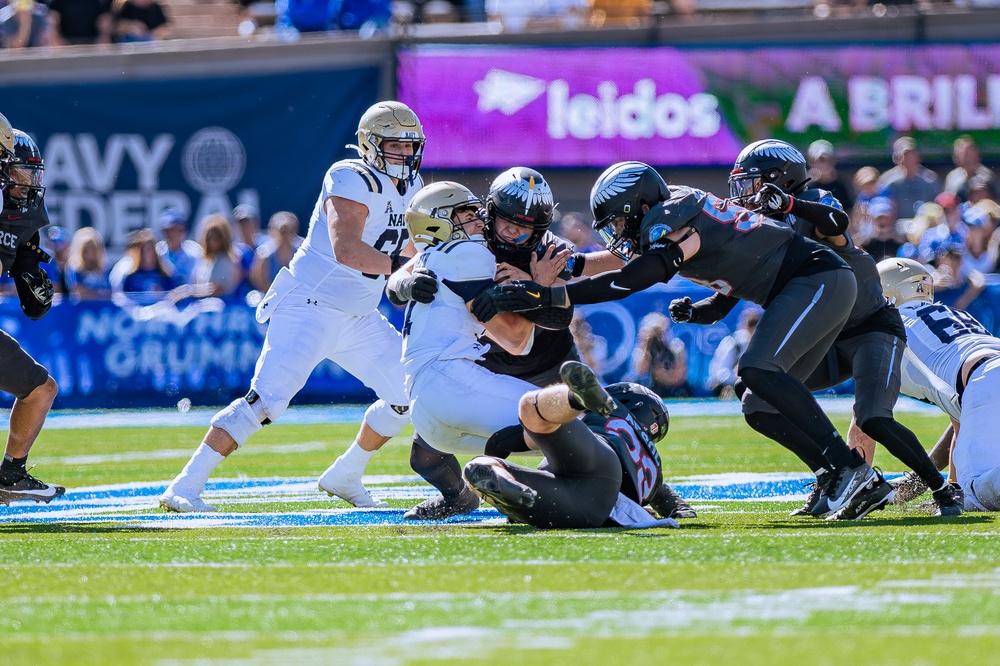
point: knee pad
(385, 419)
(242, 418)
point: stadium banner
(119, 152)
(591, 107)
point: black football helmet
(621, 191)
(645, 406)
(24, 169)
(522, 196)
(767, 161)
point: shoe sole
(8, 496)
(877, 504)
(376, 504)
(495, 487)
(445, 515)
(582, 381)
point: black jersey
(549, 347)
(642, 470)
(871, 310)
(742, 253)
(18, 229)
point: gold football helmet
(390, 121)
(905, 280)
(429, 215)
(6, 139)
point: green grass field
(742, 583)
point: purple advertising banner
(694, 107)
(562, 107)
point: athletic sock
(904, 445)
(192, 479)
(12, 469)
(441, 470)
(354, 460)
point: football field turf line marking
(172, 454)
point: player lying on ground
(953, 362)
(598, 472)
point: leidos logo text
(640, 114)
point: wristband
(577, 261)
(398, 262)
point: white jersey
(942, 338)
(314, 264)
(444, 329)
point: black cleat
(585, 386)
(908, 487)
(949, 500)
(668, 504)
(872, 497)
(439, 508)
(497, 489)
(843, 486)
(809, 508)
(29, 488)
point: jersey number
(948, 324)
(729, 213)
(645, 466)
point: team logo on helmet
(530, 191)
(618, 183)
(779, 150)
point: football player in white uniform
(456, 405)
(324, 306)
(953, 362)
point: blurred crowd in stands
(56, 22)
(231, 258)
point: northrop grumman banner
(686, 107)
(118, 153)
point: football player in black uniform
(518, 213)
(23, 215)
(598, 472)
(806, 290)
(770, 176)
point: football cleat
(583, 383)
(348, 487)
(439, 508)
(29, 488)
(174, 502)
(949, 500)
(872, 497)
(908, 487)
(844, 484)
(502, 492)
(809, 508)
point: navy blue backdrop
(117, 153)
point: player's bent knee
(243, 417)
(385, 419)
(987, 489)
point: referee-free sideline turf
(742, 583)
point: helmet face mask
(23, 175)
(430, 216)
(617, 201)
(387, 122)
(767, 161)
(519, 196)
(646, 408)
(905, 280)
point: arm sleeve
(828, 220)
(654, 265)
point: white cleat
(180, 504)
(349, 488)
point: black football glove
(681, 310)
(34, 290)
(524, 296)
(770, 200)
(484, 307)
(420, 286)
